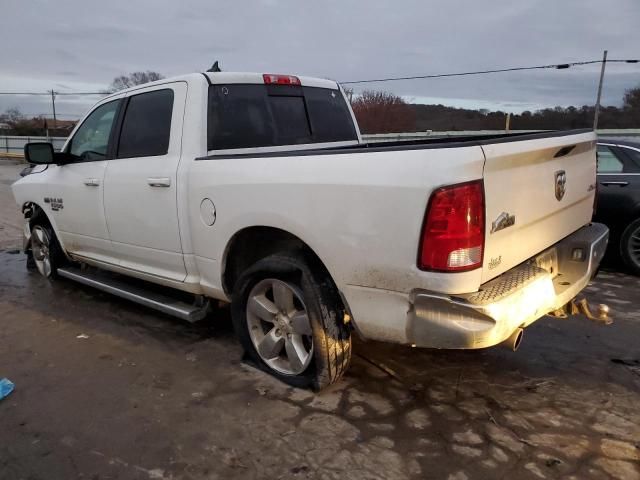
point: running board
(157, 301)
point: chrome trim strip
(621, 173)
(629, 148)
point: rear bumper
(513, 300)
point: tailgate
(537, 192)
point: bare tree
(631, 105)
(21, 125)
(12, 116)
(134, 78)
(349, 93)
(383, 112)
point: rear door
(618, 183)
(140, 193)
(537, 192)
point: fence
(14, 146)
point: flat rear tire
(290, 320)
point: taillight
(275, 79)
(453, 230)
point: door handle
(159, 181)
(621, 184)
(92, 182)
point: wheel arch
(635, 218)
(254, 243)
(32, 211)
(618, 225)
(634, 212)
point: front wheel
(291, 322)
(630, 246)
(45, 250)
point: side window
(608, 162)
(147, 125)
(634, 155)
(91, 140)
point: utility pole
(53, 106)
(507, 125)
(597, 109)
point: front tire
(291, 321)
(45, 249)
(630, 246)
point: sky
(80, 45)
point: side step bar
(155, 300)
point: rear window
(147, 125)
(608, 162)
(252, 115)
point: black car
(618, 204)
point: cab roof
(231, 77)
(258, 78)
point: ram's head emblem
(561, 184)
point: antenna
(215, 67)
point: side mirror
(40, 153)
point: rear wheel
(45, 249)
(630, 246)
(290, 321)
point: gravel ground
(108, 390)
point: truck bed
(427, 143)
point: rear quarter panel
(361, 213)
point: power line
(559, 66)
(44, 114)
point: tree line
(384, 112)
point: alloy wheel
(279, 326)
(40, 247)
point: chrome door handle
(159, 181)
(622, 184)
(92, 182)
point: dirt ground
(106, 389)
(10, 217)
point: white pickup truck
(257, 189)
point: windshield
(252, 115)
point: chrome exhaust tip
(514, 341)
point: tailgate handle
(564, 151)
(621, 184)
(159, 181)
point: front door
(140, 195)
(73, 197)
